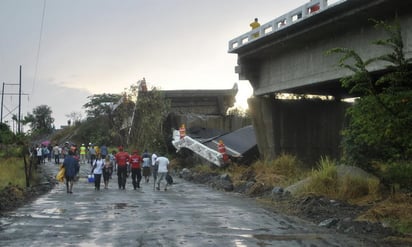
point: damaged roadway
(186, 215)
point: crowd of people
(103, 164)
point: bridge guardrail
(290, 18)
(207, 153)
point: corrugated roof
(237, 142)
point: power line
(39, 46)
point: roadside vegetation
(12, 172)
(377, 139)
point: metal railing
(204, 151)
(305, 11)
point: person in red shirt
(135, 161)
(122, 160)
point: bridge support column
(308, 129)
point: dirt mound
(13, 197)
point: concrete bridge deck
(289, 56)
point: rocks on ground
(336, 215)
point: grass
(326, 181)
(12, 173)
(395, 211)
(283, 171)
(204, 168)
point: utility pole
(19, 107)
(2, 96)
(19, 126)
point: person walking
(154, 169)
(112, 158)
(107, 171)
(45, 152)
(39, 153)
(50, 148)
(135, 161)
(92, 154)
(97, 171)
(56, 153)
(104, 151)
(71, 166)
(146, 165)
(162, 163)
(83, 154)
(122, 160)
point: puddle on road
(267, 239)
(122, 205)
(286, 237)
(53, 213)
(119, 205)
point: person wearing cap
(122, 160)
(135, 160)
(83, 154)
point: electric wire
(39, 47)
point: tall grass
(281, 171)
(325, 181)
(12, 172)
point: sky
(71, 49)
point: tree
(107, 118)
(74, 117)
(147, 130)
(101, 104)
(380, 121)
(6, 135)
(40, 119)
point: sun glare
(245, 91)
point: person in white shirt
(154, 168)
(56, 152)
(97, 171)
(162, 163)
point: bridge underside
(308, 129)
(294, 60)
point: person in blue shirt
(71, 166)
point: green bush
(397, 173)
(380, 121)
(373, 134)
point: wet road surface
(185, 215)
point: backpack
(169, 179)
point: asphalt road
(185, 215)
